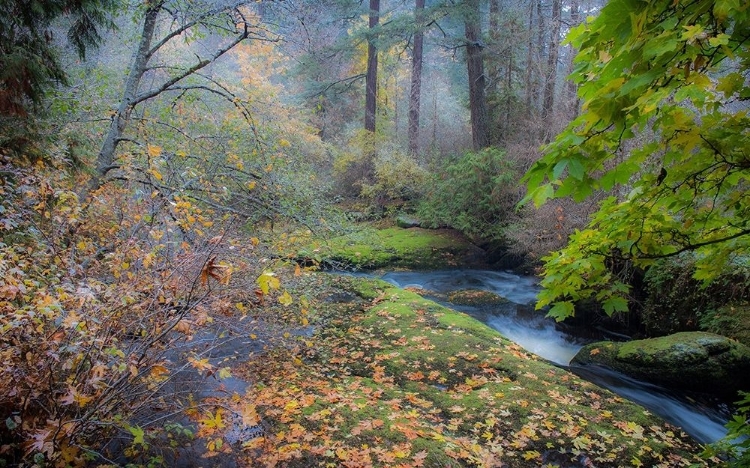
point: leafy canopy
(664, 129)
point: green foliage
(675, 301)
(475, 194)
(29, 62)
(675, 71)
(736, 444)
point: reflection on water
(518, 322)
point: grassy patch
(402, 381)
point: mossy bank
(394, 247)
(392, 379)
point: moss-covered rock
(407, 222)
(476, 297)
(697, 361)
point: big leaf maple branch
(145, 51)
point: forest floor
(375, 375)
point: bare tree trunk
(105, 160)
(551, 81)
(147, 48)
(571, 88)
(509, 83)
(371, 80)
(477, 81)
(537, 83)
(495, 47)
(530, 60)
(415, 94)
(493, 70)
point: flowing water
(518, 322)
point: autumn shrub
(398, 179)
(475, 194)
(353, 166)
(93, 299)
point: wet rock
(475, 297)
(694, 361)
(406, 222)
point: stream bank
(390, 378)
(393, 378)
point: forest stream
(530, 329)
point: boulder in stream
(476, 298)
(693, 361)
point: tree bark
(571, 88)
(552, 57)
(477, 81)
(529, 61)
(371, 80)
(415, 94)
(105, 160)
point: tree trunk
(529, 61)
(105, 160)
(371, 80)
(554, 44)
(497, 50)
(571, 88)
(415, 93)
(509, 85)
(477, 82)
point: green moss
(396, 247)
(475, 297)
(368, 288)
(405, 379)
(697, 361)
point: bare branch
(189, 71)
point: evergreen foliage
(474, 194)
(29, 56)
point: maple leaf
(138, 435)
(201, 364)
(418, 375)
(267, 281)
(419, 458)
(285, 299)
(153, 151)
(213, 270)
